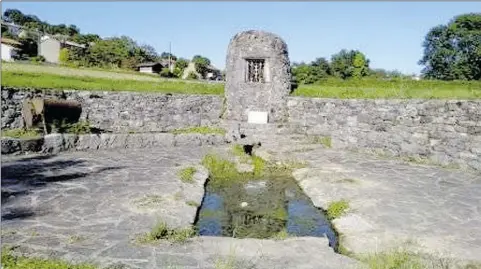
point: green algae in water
(261, 208)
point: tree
(180, 65)
(165, 55)
(64, 56)
(453, 51)
(14, 16)
(201, 64)
(349, 64)
(360, 66)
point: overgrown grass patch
(186, 175)
(21, 133)
(394, 259)
(199, 130)
(65, 82)
(162, 231)
(337, 209)
(220, 169)
(11, 261)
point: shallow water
(261, 209)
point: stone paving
(90, 206)
(393, 203)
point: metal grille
(255, 70)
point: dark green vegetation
(453, 51)
(114, 52)
(10, 261)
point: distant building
(9, 49)
(50, 47)
(151, 67)
(416, 77)
(213, 73)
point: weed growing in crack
(148, 201)
(187, 174)
(337, 209)
(192, 203)
(282, 235)
(178, 196)
(75, 238)
(162, 231)
(199, 130)
(326, 141)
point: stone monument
(258, 78)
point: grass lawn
(63, 82)
(54, 77)
(401, 89)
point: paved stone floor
(421, 207)
(90, 206)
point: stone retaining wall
(445, 132)
(124, 111)
(54, 143)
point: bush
(37, 59)
(64, 56)
(192, 75)
(165, 73)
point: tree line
(451, 52)
(112, 52)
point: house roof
(70, 43)
(148, 64)
(11, 42)
(212, 68)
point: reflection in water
(261, 209)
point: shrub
(192, 75)
(64, 56)
(165, 73)
(37, 59)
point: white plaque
(257, 117)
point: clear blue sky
(389, 33)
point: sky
(390, 34)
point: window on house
(255, 70)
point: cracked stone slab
(91, 206)
(434, 209)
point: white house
(50, 47)
(9, 49)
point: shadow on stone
(21, 176)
